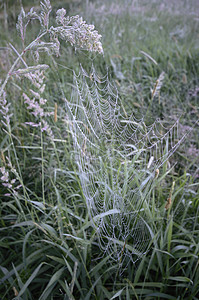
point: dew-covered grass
(49, 242)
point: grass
(49, 244)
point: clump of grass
(48, 240)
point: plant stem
(42, 170)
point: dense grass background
(37, 259)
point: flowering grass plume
(75, 31)
(36, 103)
(158, 85)
(7, 172)
(70, 29)
(5, 113)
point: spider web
(118, 157)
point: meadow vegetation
(113, 217)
